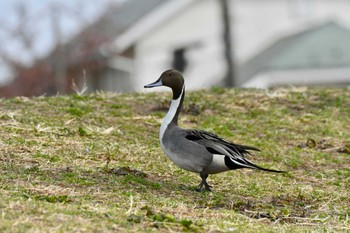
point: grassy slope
(93, 163)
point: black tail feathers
(269, 170)
(237, 163)
(251, 165)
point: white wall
(257, 24)
(200, 22)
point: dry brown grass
(93, 163)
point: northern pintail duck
(197, 150)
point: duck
(194, 150)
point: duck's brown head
(170, 78)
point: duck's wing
(234, 153)
(219, 144)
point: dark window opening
(179, 59)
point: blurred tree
(24, 35)
(229, 80)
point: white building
(194, 28)
(274, 42)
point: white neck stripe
(175, 104)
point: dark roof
(115, 21)
(82, 51)
(119, 18)
(324, 46)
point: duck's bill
(155, 84)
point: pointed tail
(269, 170)
(252, 165)
(241, 162)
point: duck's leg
(203, 182)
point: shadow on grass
(283, 208)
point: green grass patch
(92, 163)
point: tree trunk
(229, 80)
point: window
(179, 59)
